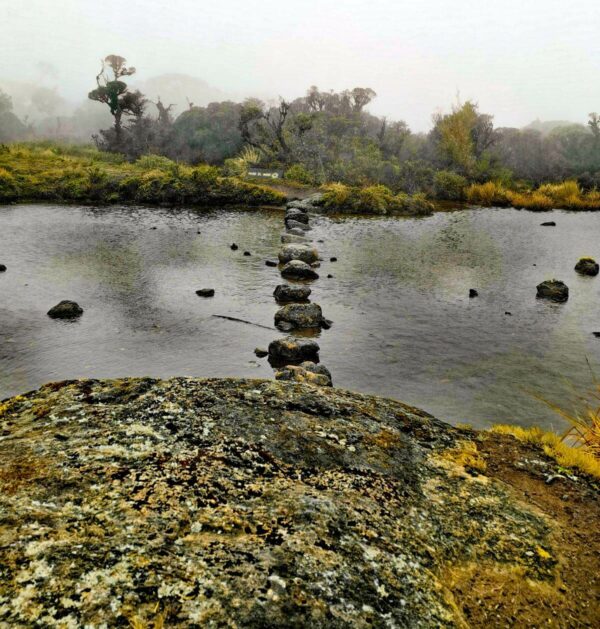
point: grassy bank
(566, 195)
(377, 199)
(42, 172)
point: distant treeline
(331, 137)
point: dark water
(403, 323)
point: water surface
(404, 325)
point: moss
(84, 175)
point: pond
(404, 325)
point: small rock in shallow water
(292, 224)
(260, 352)
(2, 268)
(234, 247)
(548, 224)
(554, 290)
(285, 292)
(298, 270)
(329, 276)
(333, 259)
(205, 292)
(293, 350)
(247, 253)
(289, 238)
(587, 266)
(298, 316)
(473, 292)
(596, 334)
(270, 263)
(296, 215)
(65, 310)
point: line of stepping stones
(296, 358)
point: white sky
(519, 59)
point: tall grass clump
(487, 194)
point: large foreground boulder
(587, 266)
(298, 270)
(295, 316)
(251, 503)
(554, 290)
(306, 253)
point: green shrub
(299, 173)
(449, 186)
(9, 189)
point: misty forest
(300, 320)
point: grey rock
(295, 251)
(296, 215)
(286, 293)
(290, 349)
(298, 270)
(299, 316)
(292, 224)
(2, 268)
(289, 238)
(554, 290)
(205, 292)
(65, 310)
(587, 266)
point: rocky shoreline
(255, 503)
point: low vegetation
(567, 195)
(378, 199)
(44, 172)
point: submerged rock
(285, 293)
(293, 350)
(298, 270)
(254, 503)
(306, 253)
(289, 237)
(291, 224)
(587, 266)
(65, 309)
(299, 316)
(555, 290)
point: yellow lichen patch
(385, 439)
(566, 456)
(19, 472)
(8, 404)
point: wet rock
(326, 323)
(294, 251)
(587, 266)
(329, 276)
(298, 270)
(333, 259)
(294, 316)
(554, 290)
(270, 263)
(548, 224)
(260, 352)
(287, 293)
(293, 350)
(310, 204)
(205, 292)
(234, 247)
(306, 373)
(596, 334)
(297, 232)
(247, 253)
(292, 224)
(288, 238)
(2, 268)
(296, 215)
(65, 309)
(473, 293)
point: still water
(404, 325)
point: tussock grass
(580, 458)
(43, 172)
(566, 195)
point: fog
(518, 60)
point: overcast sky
(520, 59)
